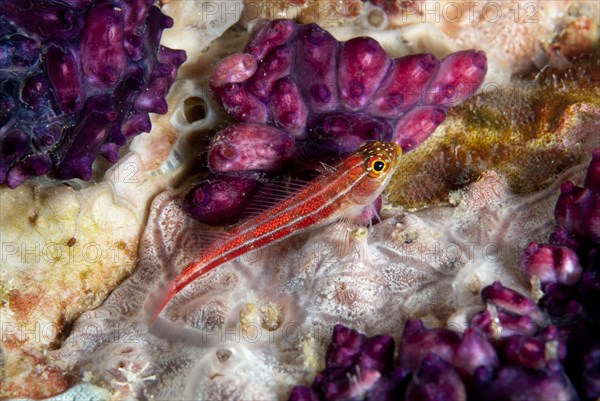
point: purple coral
(515, 349)
(77, 80)
(329, 97)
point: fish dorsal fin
(271, 194)
(205, 237)
(325, 168)
(191, 242)
(310, 156)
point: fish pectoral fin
(341, 242)
(346, 236)
(351, 231)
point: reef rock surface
(256, 326)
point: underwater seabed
(457, 216)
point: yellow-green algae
(528, 131)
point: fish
(340, 194)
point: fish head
(375, 164)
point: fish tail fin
(157, 301)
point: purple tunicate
(233, 69)
(86, 140)
(559, 301)
(13, 145)
(416, 126)
(86, 73)
(417, 342)
(110, 151)
(356, 366)
(316, 55)
(64, 74)
(551, 263)
(241, 104)
(45, 19)
(149, 102)
(7, 106)
(473, 351)
(578, 211)
(498, 323)
(134, 124)
(18, 51)
(436, 380)
(31, 167)
(220, 200)
(289, 110)
(249, 147)
(275, 66)
(102, 47)
(457, 79)
(271, 35)
(561, 237)
(590, 289)
(592, 178)
(591, 372)
(465, 353)
(377, 354)
(391, 387)
(519, 383)
(345, 132)
(134, 13)
(301, 393)
(404, 86)
(153, 101)
(346, 345)
(568, 211)
(36, 92)
(535, 352)
(346, 385)
(512, 301)
(362, 65)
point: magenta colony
(296, 90)
(299, 95)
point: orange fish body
(340, 193)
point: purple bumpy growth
(309, 90)
(514, 349)
(77, 80)
(356, 366)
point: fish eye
(376, 166)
